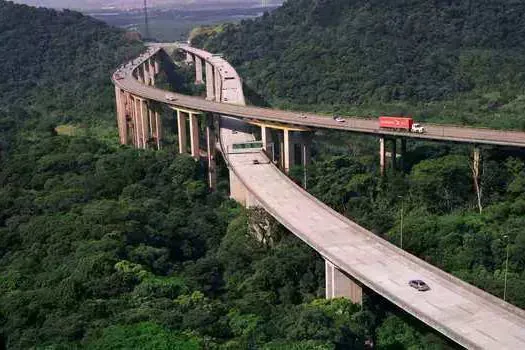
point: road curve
(465, 314)
(361, 125)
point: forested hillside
(108, 247)
(459, 61)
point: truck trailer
(400, 124)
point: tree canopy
(457, 61)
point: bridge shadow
(253, 97)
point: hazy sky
(97, 4)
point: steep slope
(390, 55)
(58, 61)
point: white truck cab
(416, 127)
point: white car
(170, 98)
(339, 119)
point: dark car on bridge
(419, 285)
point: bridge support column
(218, 85)
(133, 121)
(128, 110)
(158, 128)
(121, 116)
(145, 69)
(156, 65)
(210, 82)
(382, 157)
(266, 138)
(181, 128)
(154, 134)
(240, 193)
(393, 154)
(194, 136)
(210, 148)
(152, 72)
(145, 122)
(140, 74)
(198, 70)
(289, 151)
(138, 122)
(340, 285)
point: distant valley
(175, 23)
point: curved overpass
(465, 314)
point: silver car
(419, 285)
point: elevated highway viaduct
(355, 258)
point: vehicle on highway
(119, 77)
(419, 285)
(302, 115)
(170, 97)
(255, 161)
(400, 124)
(339, 119)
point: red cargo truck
(400, 124)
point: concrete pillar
(151, 123)
(158, 129)
(156, 64)
(198, 70)
(382, 155)
(134, 140)
(289, 151)
(218, 85)
(152, 71)
(181, 128)
(393, 154)
(121, 116)
(145, 69)
(140, 74)
(144, 110)
(237, 190)
(338, 284)
(194, 136)
(138, 122)
(210, 148)
(130, 118)
(280, 137)
(265, 137)
(210, 82)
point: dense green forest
(459, 61)
(107, 247)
